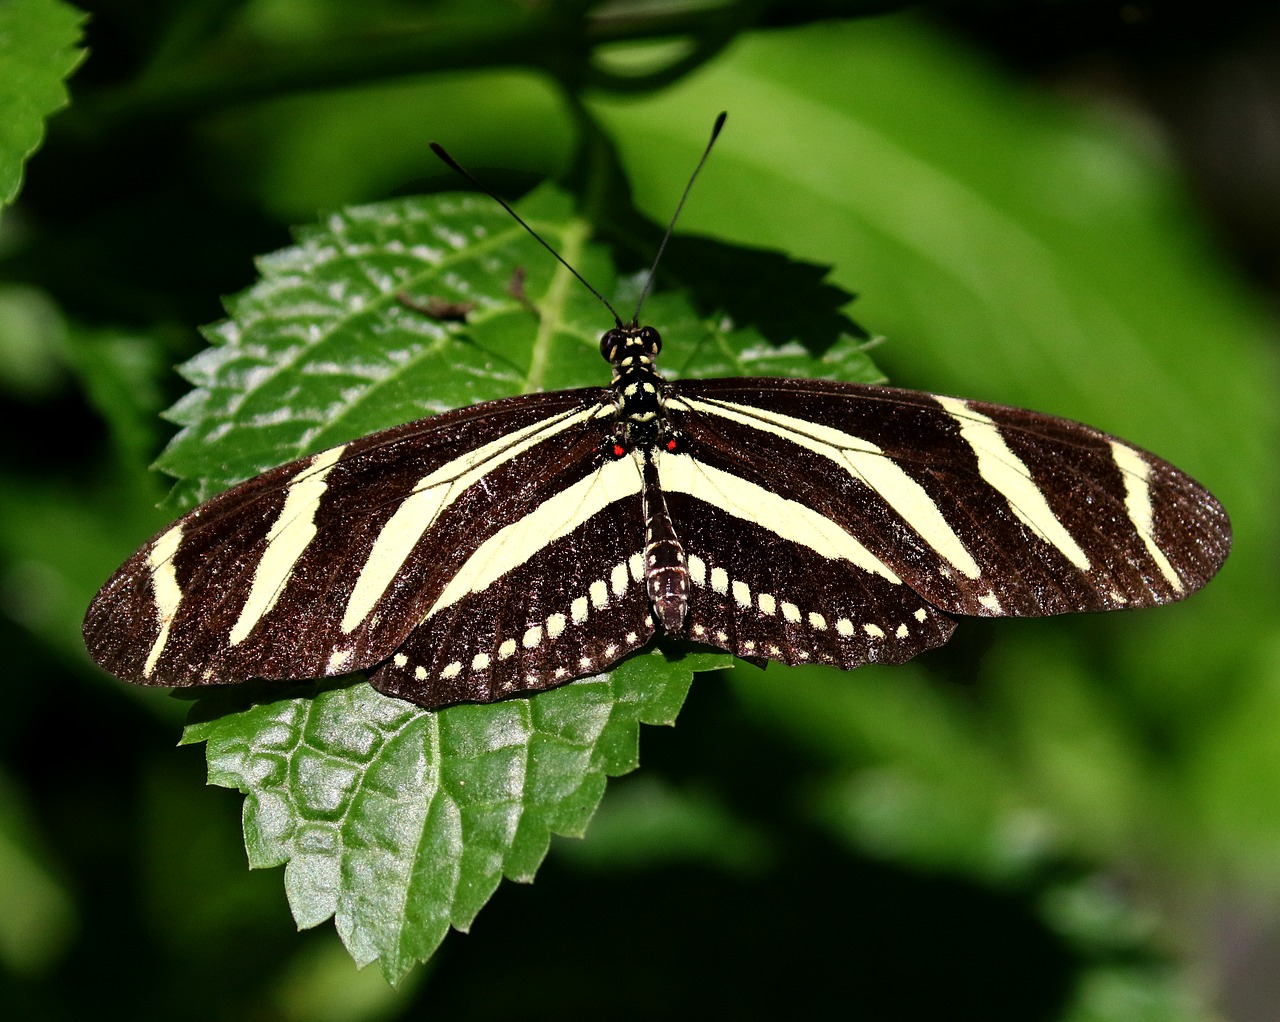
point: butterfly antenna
(715, 133)
(458, 168)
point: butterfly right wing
(845, 523)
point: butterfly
(514, 545)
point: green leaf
(332, 343)
(37, 52)
(397, 822)
(400, 822)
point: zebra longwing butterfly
(515, 545)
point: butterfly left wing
(327, 564)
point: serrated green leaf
(399, 822)
(331, 343)
(322, 349)
(37, 52)
(396, 822)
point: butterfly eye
(610, 342)
(652, 341)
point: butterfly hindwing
(763, 597)
(574, 608)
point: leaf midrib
(552, 308)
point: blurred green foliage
(1050, 819)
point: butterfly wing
(766, 596)
(327, 564)
(573, 605)
(844, 523)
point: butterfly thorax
(643, 433)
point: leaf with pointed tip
(397, 822)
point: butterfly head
(625, 346)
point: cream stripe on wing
(167, 592)
(1004, 470)
(431, 495)
(864, 461)
(1136, 471)
(793, 521)
(294, 528)
(558, 516)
